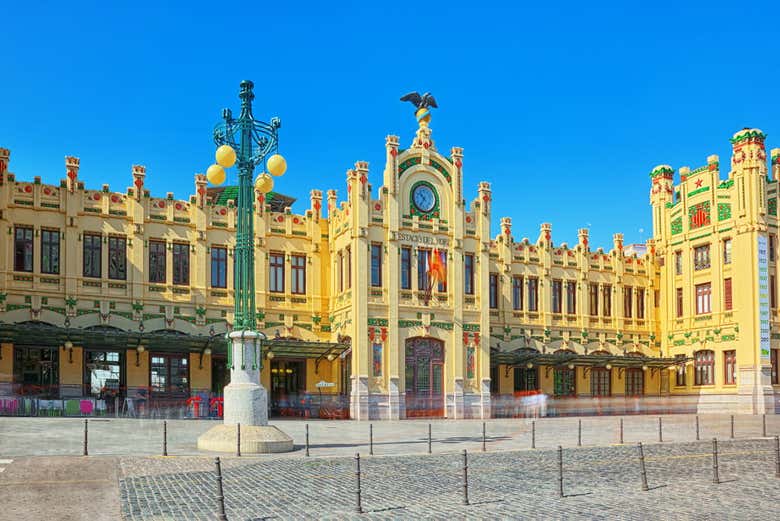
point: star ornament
(698, 183)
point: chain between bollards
(358, 492)
(307, 440)
(697, 427)
(732, 426)
(429, 438)
(715, 475)
(560, 471)
(660, 430)
(238, 439)
(483, 437)
(371, 439)
(86, 438)
(465, 477)
(221, 515)
(165, 438)
(777, 457)
(579, 433)
(645, 488)
(533, 434)
(621, 431)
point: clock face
(424, 198)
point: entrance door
(424, 370)
(36, 370)
(220, 375)
(288, 387)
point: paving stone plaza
(126, 477)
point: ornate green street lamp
(247, 143)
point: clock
(424, 198)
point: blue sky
(564, 108)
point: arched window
(704, 367)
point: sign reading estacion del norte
(763, 296)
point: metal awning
(523, 357)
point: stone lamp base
(255, 439)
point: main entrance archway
(424, 377)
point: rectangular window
(727, 251)
(376, 265)
(679, 300)
(276, 272)
(406, 268)
(600, 379)
(730, 366)
(218, 267)
(117, 258)
(571, 297)
(628, 294)
(635, 381)
(606, 300)
(526, 379)
(50, 252)
(657, 298)
(593, 299)
(517, 293)
(468, 271)
(557, 296)
(772, 294)
(341, 271)
(423, 262)
(771, 248)
(93, 248)
(678, 265)
(727, 299)
(348, 261)
(704, 367)
(494, 291)
(533, 294)
(169, 374)
(680, 370)
(298, 274)
(640, 303)
(703, 298)
(701, 257)
(157, 261)
(775, 378)
(181, 263)
(23, 248)
(564, 382)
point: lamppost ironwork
(247, 142)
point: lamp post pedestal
(246, 403)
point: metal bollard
(307, 440)
(429, 438)
(238, 439)
(579, 433)
(533, 434)
(715, 476)
(165, 438)
(645, 488)
(621, 431)
(763, 426)
(465, 477)
(483, 437)
(777, 457)
(732, 426)
(371, 439)
(359, 507)
(697, 427)
(221, 515)
(560, 471)
(660, 430)
(86, 438)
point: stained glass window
(157, 261)
(23, 248)
(93, 249)
(181, 263)
(218, 267)
(50, 251)
(117, 258)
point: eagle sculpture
(420, 102)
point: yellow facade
(364, 258)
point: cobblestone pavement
(64, 436)
(599, 482)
